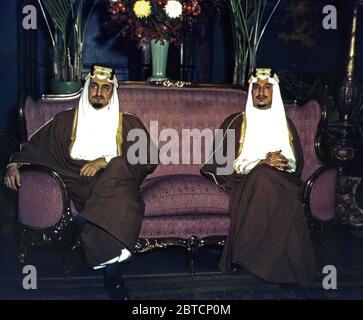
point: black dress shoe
(237, 269)
(114, 282)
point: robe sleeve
(209, 169)
(43, 146)
(247, 166)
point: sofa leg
(191, 256)
(21, 244)
(68, 261)
(68, 247)
(67, 254)
(192, 247)
(318, 234)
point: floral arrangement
(143, 20)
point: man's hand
(12, 177)
(91, 168)
(277, 160)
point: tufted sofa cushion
(187, 194)
(185, 226)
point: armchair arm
(44, 205)
(319, 194)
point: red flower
(161, 2)
(195, 8)
(187, 7)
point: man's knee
(116, 162)
(265, 171)
(115, 169)
(264, 176)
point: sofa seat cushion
(203, 225)
(183, 194)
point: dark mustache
(98, 97)
(261, 97)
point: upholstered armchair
(182, 208)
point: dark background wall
(25, 54)
(8, 63)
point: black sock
(113, 270)
(80, 222)
(114, 282)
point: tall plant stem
(47, 23)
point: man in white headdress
(268, 233)
(87, 147)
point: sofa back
(184, 108)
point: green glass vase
(65, 87)
(159, 56)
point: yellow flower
(142, 8)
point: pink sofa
(181, 207)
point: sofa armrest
(44, 203)
(319, 194)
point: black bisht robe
(109, 201)
(268, 231)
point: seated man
(268, 232)
(88, 147)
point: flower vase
(159, 56)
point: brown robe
(109, 201)
(268, 232)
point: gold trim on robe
(291, 138)
(243, 134)
(119, 135)
(74, 130)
